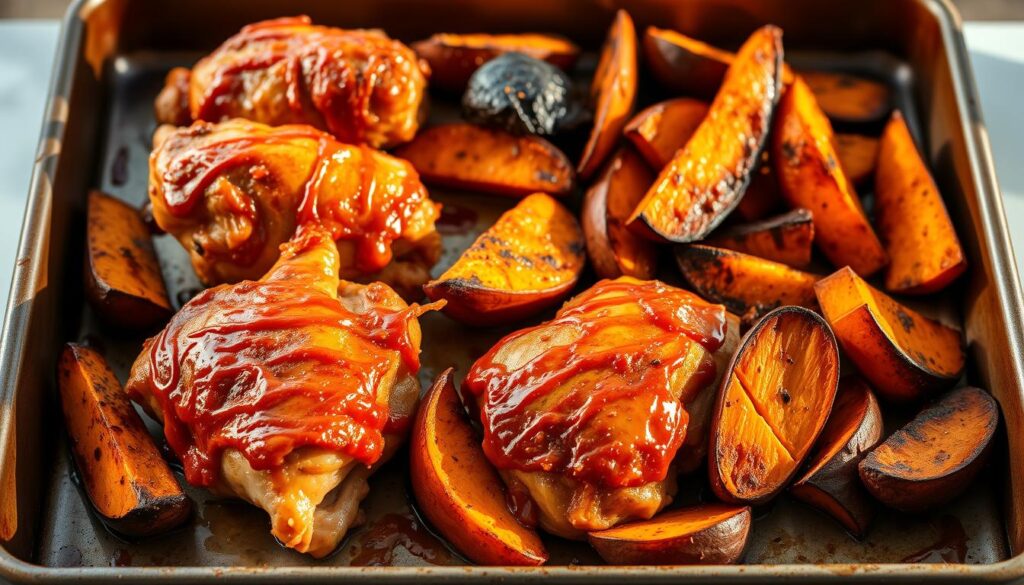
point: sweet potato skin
(527, 261)
(707, 178)
(936, 456)
(663, 128)
(786, 238)
(772, 405)
(707, 534)
(131, 487)
(849, 98)
(613, 92)
(925, 253)
(122, 275)
(458, 490)
(903, 354)
(747, 285)
(831, 482)
(454, 57)
(810, 176)
(471, 157)
(613, 250)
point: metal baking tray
(112, 58)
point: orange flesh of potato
(122, 275)
(902, 353)
(465, 156)
(935, 456)
(785, 238)
(924, 251)
(615, 251)
(129, 484)
(527, 261)
(772, 405)
(857, 155)
(831, 483)
(613, 92)
(849, 98)
(458, 490)
(662, 129)
(453, 58)
(747, 285)
(811, 177)
(707, 177)
(707, 534)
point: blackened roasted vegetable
(519, 94)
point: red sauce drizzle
(236, 368)
(519, 434)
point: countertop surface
(27, 53)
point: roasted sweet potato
(684, 64)
(707, 177)
(857, 155)
(527, 261)
(708, 534)
(785, 238)
(747, 285)
(924, 252)
(130, 486)
(936, 455)
(465, 156)
(614, 250)
(662, 129)
(122, 275)
(810, 176)
(849, 98)
(613, 93)
(762, 197)
(903, 354)
(830, 482)
(453, 57)
(772, 405)
(458, 490)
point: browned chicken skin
(233, 192)
(360, 85)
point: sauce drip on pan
(559, 411)
(266, 367)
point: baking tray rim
(29, 275)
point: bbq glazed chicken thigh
(287, 392)
(586, 416)
(360, 85)
(233, 192)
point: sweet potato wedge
(527, 261)
(684, 64)
(786, 238)
(465, 156)
(772, 405)
(857, 155)
(810, 176)
(662, 129)
(936, 456)
(615, 251)
(707, 177)
(903, 354)
(831, 482)
(122, 276)
(849, 98)
(707, 534)
(458, 490)
(924, 252)
(747, 285)
(454, 57)
(762, 197)
(613, 93)
(130, 486)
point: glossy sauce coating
(558, 412)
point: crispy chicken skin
(233, 192)
(287, 392)
(360, 85)
(584, 416)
